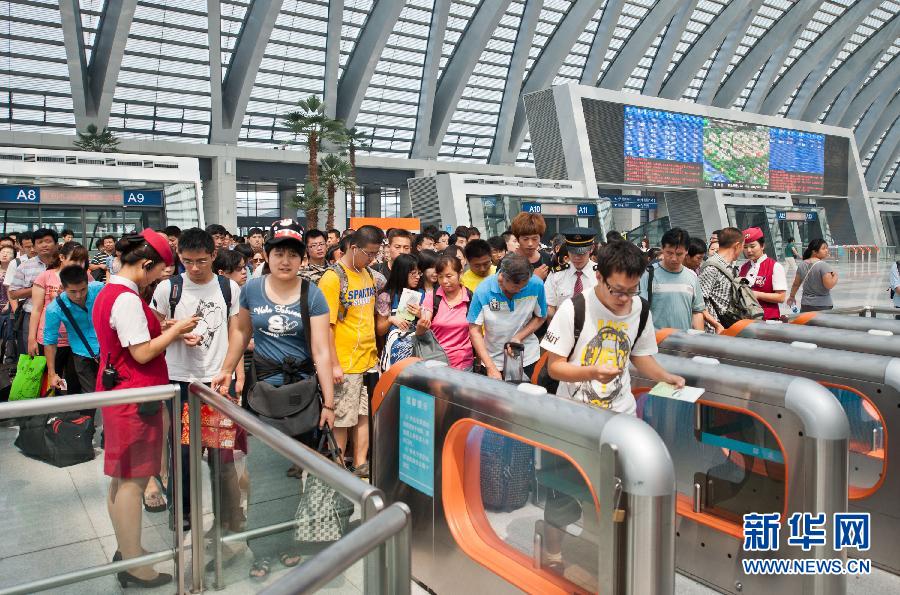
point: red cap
(752, 234)
(160, 244)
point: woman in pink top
(448, 320)
(45, 289)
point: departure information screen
(660, 147)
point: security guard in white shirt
(574, 276)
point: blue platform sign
(796, 216)
(142, 198)
(22, 195)
(624, 201)
(587, 210)
(489, 202)
(531, 207)
(416, 450)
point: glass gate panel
(17, 220)
(59, 219)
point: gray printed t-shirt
(278, 328)
(814, 291)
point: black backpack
(542, 370)
(178, 287)
(437, 301)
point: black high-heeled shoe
(126, 577)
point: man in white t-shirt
(596, 370)
(201, 354)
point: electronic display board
(660, 147)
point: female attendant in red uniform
(765, 275)
(132, 342)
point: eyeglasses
(259, 260)
(316, 245)
(196, 263)
(619, 292)
(370, 255)
(416, 273)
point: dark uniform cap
(579, 240)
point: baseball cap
(285, 231)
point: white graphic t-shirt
(203, 361)
(605, 339)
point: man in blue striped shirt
(77, 299)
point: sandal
(155, 503)
(260, 566)
(287, 556)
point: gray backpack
(742, 304)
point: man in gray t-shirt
(675, 296)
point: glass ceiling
(163, 89)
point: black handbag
(60, 439)
(295, 407)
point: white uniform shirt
(560, 285)
(127, 315)
(779, 278)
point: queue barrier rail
(601, 486)
(874, 342)
(864, 324)
(393, 523)
(868, 311)
(386, 570)
(755, 442)
(868, 389)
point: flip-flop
(158, 497)
(260, 565)
(287, 556)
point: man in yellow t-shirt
(478, 253)
(353, 349)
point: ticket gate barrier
(870, 311)
(878, 326)
(830, 338)
(867, 387)
(755, 442)
(597, 513)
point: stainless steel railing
(52, 405)
(393, 524)
(385, 543)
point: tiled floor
(55, 520)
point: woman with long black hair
(394, 325)
(817, 278)
(133, 344)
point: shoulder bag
(294, 407)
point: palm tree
(354, 139)
(99, 142)
(335, 174)
(310, 122)
(310, 201)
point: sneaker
(362, 471)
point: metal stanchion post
(216, 486)
(195, 449)
(399, 559)
(178, 491)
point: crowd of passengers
(181, 306)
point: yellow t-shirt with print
(471, 281)
(354, 335)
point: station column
(220, 193)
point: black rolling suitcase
(507, 465)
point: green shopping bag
(30, 381)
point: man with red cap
(765, 275)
